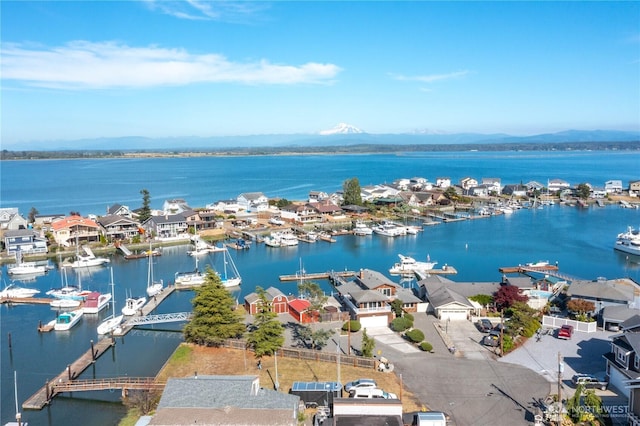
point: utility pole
(349, 335)
(501, 333)
(560, 370)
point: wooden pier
(43, 396)
(148, 307)
(523, 269)
(316, 276)
(26, 300)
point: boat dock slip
(148, 307)
(522, 269)
(316, 276)
(43, 396)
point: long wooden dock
(26, 300)
(315, 276)
(43, 396)
(523, 269)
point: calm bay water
(579, 240)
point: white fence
(556, 322)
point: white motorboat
(360, 228)
(538, 264)
(288, 240)
(112, 322)
(14, 291)
(629, 241)
(132, 305)
(409, 266)
(95, 302)
(272, 241)
(64, 303)
(88, 259)
(66, 320)
(234, 279)
(153, 286)
(389, 229)
(26, 268)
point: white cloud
(432, 78)
(206, 9)
(87, 65)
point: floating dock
(148, 307)
(43, 396)
(26, 300)
(316, 276)
(523, 269)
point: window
(621, 356)
(636, 362)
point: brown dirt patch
(225, 361)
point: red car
(565, 332)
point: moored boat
(112, 322)
(628, 242)
(153, 286)
(95, 302)
(132, 305)
(88, 259)
(14, 291)
(65, 303)
(361, 229)
(66, 320)
(189, 279)
(234, 279)
(409, 266)
(26, 268)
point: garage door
(453, 315)
(617, 380)
(370, 322)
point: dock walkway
(316, 276)
(149, 307)
(38, 400)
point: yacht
(628, 242)
(189, 279)
(287, 240)
(26, 268)
(13, 291)
(360, 228)
(409, 266)
(95, 302)
(65, 303)
(133, 305)
(66, 320)
(389, 229)
(88, 259)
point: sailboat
(233, 280)
(109, 324)
(18, 421)
(189, 279)
(153, 287)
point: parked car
(565, 332)
(492, 339)
(371, 393)
(500, 327)
(589, 381)
(360, 383)
(429, 418)
(484, 325)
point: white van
(429, 418)
(371, 393)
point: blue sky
(74, 69)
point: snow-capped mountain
(341, 129)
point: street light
(328, 388)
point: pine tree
(214, 318)
(368, 344)
(145, 211)
(351, 192)
(267, 335)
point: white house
(443, 182)
(175, 206)
(492, 184)
(555, 185)
(613, 186)
(253, 201)
(317, 196)
(468, 183)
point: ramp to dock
(124, 250)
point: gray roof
(224, 416)
(620, 290)
(631, 322)
(441, 295)
(170, 218)
(223, 391)
(624, 314)
(365, 296)
(114, 218)
(21, 233)
(520, 282)
(469, 289)
(372, 279)
(271, 293)
(633, 339)
(407, 296)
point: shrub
(400, 324)
(426, 346)
(354, 325)
(409, 317)
(415, 335)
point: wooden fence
(311, 355)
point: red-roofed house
(66, 230)
(299, 309)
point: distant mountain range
(341, 135)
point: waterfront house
(210, 219)
(253, 201)
(192, 218)
(278, 301)
(613, 187)
(410, 198)
(555, 185)
(402, 184)
(316, 196)
(301, 213)
(116, 227)
(328, 210)
(603, 292)
(516, 190)
(119, 210)
(69, 229)
(11, 219)
(225, 206)
(420, 184)
(26, 241)
(443, 182)
(480, 190)
(467, 183)
(623, 361)
(446, 303)
(224, 400)
(45, 220)
(167, 226)
(634, 188)
(533, 186)
(175, 206)
(493, 184)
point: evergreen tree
(267, 335)
(351, 192)
(214, 318)
(32, 214)
(145, 211)
(368, 344)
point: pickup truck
(565, 332)
(589, 381)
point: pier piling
(9, 335)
